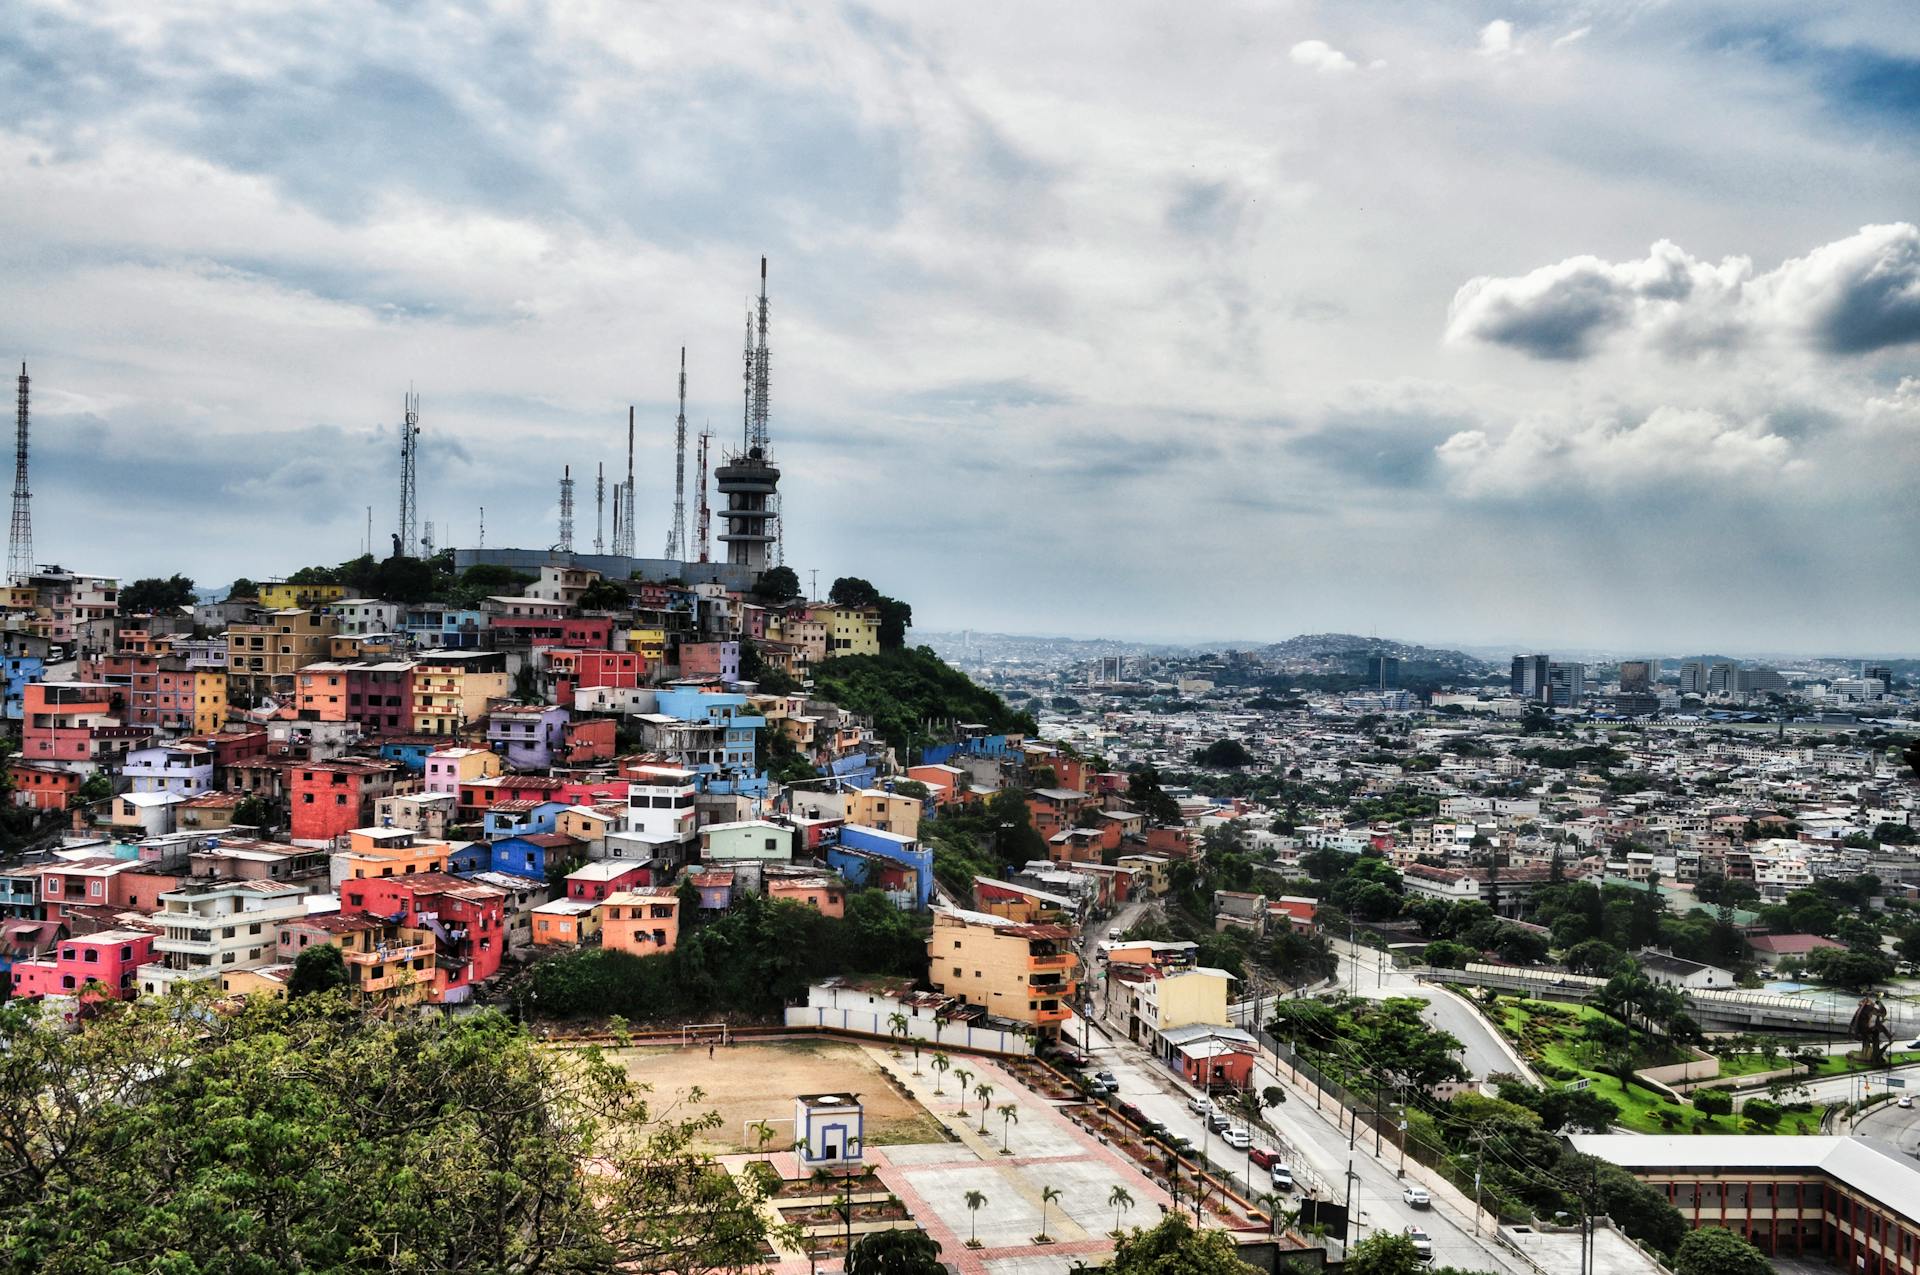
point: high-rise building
(1757, 681)
(1720, 677)
(1884, 672)
(1693, 677)
(1636, 675)
(1636, 703)
(1383, 672)
(1566, 683)
(1530, 676)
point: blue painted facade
(523, 858)
(475, 856)
(519, 823)
(20, 671)
(886, 845)
(446, 628)
(985, 746)
(858, 769)
(411, 755)
(734, 774)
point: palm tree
(940, 1064)
(763, 1133)
(1048, 1194)
(897, 1028)
(974, 1200)
(965, 1078)
(1008, 1114)
(1276, 1207)
(1118, 1199)
(984, 1092)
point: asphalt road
(1312, 1146)
(1483, 1050)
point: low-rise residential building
(1023, 972)
(386, 962)
(105, 960)
(640, 922)
(212, 927)
(328, 799)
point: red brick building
(328, 799)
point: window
(226, 958)
(93, 955)
(66, 980)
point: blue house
(722, 755)
(20, 670)
(531, 855)
(411, 753)
(858, 849)
(475, 856)
(520, 818)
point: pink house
(107, 957)
(603, 877)
(718, 660)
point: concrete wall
(730, 575)
(922, 1028)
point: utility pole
(1478, 1138)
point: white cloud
(1669, 443)
(1320, 56)
(1572, 37)
(1853, 296)
(1496, 40)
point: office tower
(1693, 677)
(1383, 672)
(1636, 675)
(1566, 684)
(1530, 676)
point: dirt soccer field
(748, 1082)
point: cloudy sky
(1591, 324)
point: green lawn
(1831, 1065)
(1551, 1038)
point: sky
(1594, 324)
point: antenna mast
(409, 499)
(746, 393)
(483, 526)
(626, 494)
(758, 437)
(20, 542)
(705, 517)
(677, 536)
(566, 510)
(600, 508)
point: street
(1316, 1150)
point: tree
(605, 595)
(1174, 1247)
(1712, 1102)
(1447, 955)
(243, 588)
(777, 584)
(1119, 1199)
(1384, 1253)
(154, 594)
(319, 968)
(253, 811)
(940, 1064)
(95, 787)
(1009, 1115)
(852, 591)
(1714, 1250)
(895, 1253)
(896, 617)
(287, 1135)
(984, 1092)
(974, 1199)
(1224, 754)
(965, 1078)
(1048, 1194)
(1849, 967)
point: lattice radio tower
(677, 534)
(20, 541)
(600, 508)
(762, 388)
(566, 510)
(409, 495)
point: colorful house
(454, 688)
(109, 958)
(386, 962)
(327, 799)
(892, 847)
(467, 921)
(539, 854)
(593, 882)
(527, 735)
(565, 923)
(640, 922)
(446, 769)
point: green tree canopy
(1173, 1247)
(895, 1253)
(294, 1136)
(1384, 1253)
(605, 595)
(1714, 1250)
(1224, 754)
(852, 591)
(154, 594)
(776, 584)
(319, 968)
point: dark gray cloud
(1853, 296)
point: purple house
(527, 735)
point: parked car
(1417, 1197)
(1218, 1122)
(1130, 1111)
(1097, 1090)
(1238, 1139)
(1177, 1143)
(1263, 1157)
(1070, 1057)
(1906, 1100)
(1422, 1243)
(1199, 1105)
(1281, 1175)
(1106, 1078)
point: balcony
(1055, 961)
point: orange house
(640, 922)
(827, 897)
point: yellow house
(589, 823)
(209, 701)
(388, 852)
(1185, 997)
(1022, 972)
(285, 597)
(455, 688)
(850, 630)
(651, 643)
(262, 658)
(448, 768)
(268, 980)
(876, 808)
(1149, 873)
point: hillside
(905, 690)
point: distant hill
(1347, 648)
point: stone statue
(1869, 1027)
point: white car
(1237, 1139)
(1282, 1177)
(1417, 1197)
(1905, 1100)
(1199, 1106)
(1422, 1243)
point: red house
(42, 787)
(597, 880)
(106, 957)
(329, 799)
(572, 670)
(589, 739)
(467, 919)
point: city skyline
(1593, 327)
